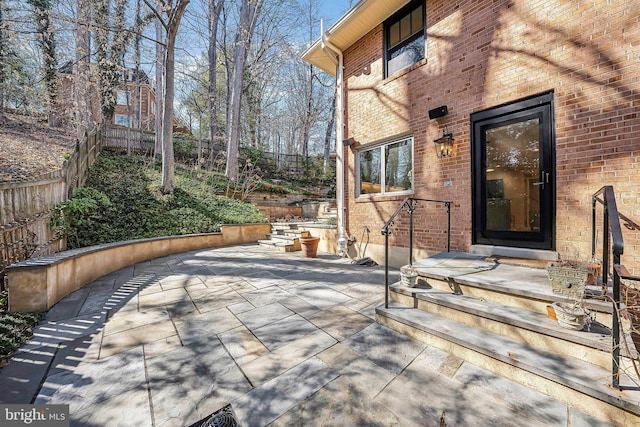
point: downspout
(337, 53)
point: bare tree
(3, 44)
(249, 12)
(82, 74)
(112, 39)
(159, 84)
(108, 53)
(46, 41)
(327, 135)
(215, 8)
(174, 14)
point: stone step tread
(299, 233)
(474, 270)
(282, 237)
(573, 373)
(278, 245)
(598, 336)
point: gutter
(336, 55)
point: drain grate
(221, 418)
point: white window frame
(116, 118)
(381, 146)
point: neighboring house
(135, 100)
(541, 100)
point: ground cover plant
(15, 329)
(122, 200)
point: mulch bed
(30, 148)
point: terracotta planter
(309, 246)
(631, 298)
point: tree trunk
(136, 95)
(249, 12)
(3, 44)
(42, 16)
(214, 17)
(159, 89)
(82, 72)
(168, 160)
(327, 135)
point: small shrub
(184, 145)
(332, 221)
(15, 328)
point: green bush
(184, 145)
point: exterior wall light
(444, 144)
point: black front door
(513, 174)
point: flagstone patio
(285, 340)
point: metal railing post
(411, 204)
(448, 205)
(386, 269)
(615, 329)
(593, 227)
(411, 208)
(612, 243)
(605, 244)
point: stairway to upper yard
(285, 237)
(494, 315)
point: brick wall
(481, 54)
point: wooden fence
(143, 142)
(286, 162)
(26, 206)
(129, 140)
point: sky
(334, 9)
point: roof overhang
(351, 27)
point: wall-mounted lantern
(444, 144)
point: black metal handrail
(410, 203)
(611, 227)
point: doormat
(221, 418)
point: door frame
(544, 239)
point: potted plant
(571, 315)
(571, 276)
(408, 275)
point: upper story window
(386, 168)
(122, 120)
(404, 38)
(123, 97)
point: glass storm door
(513, 168)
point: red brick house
(135, 101)
(540, 99)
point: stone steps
(284, 238)
(328, 213)
(572, 381)
(592, 345)
(495, 316)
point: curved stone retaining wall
(37, 284)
